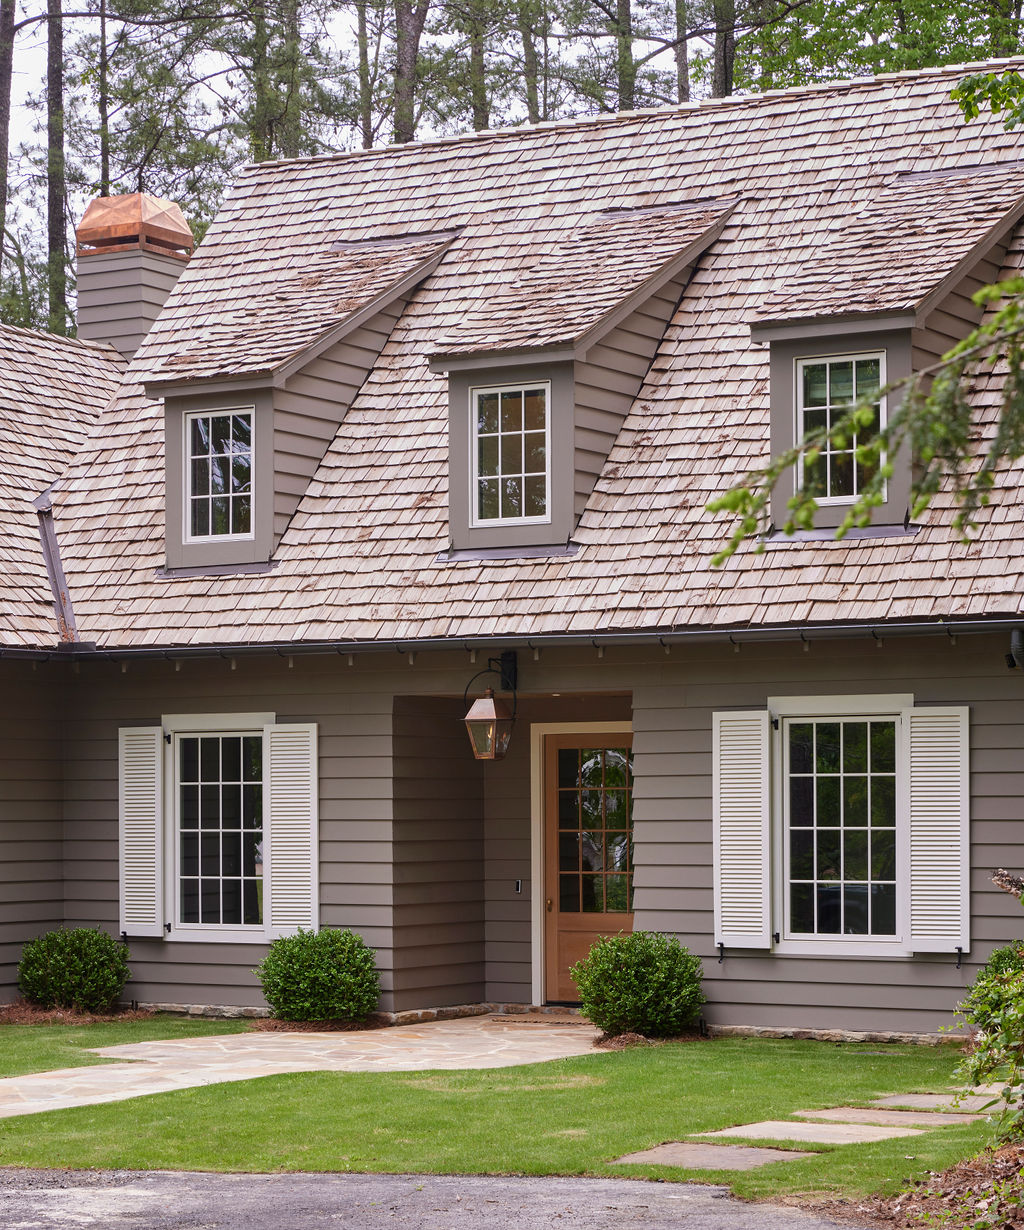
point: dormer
(257, 367)
(884, 298)
(543, 369)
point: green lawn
(569, 1117)
(42, 1048)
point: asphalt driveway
(161, 1200)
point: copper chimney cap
(138, 220)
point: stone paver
(816, 1133)
(186, 1063)
(698, 1156)
(882, 1116)
(936, 1101)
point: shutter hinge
(776, 937)
(775, 723)
(167, 738)
(167, 928)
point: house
(422, 420)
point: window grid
(827, 388)
(510, 427)
(219, 462)
(841, 826)
(220, 829)
(595, 830)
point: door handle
(550, 903)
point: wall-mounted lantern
(490, 720)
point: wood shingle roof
(362, 556)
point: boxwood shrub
(80, 969)
(320, 976)
(644, 983)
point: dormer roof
(903, 247)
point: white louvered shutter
(741, 837)
(140, 830)
(290, 827)
(936, 756)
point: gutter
(665, 639)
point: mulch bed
(972, 1193)
(623, 1042)
(22, 1013)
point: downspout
(54, 570)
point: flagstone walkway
(158, 1067)
(838, 1125)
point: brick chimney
(131, 250)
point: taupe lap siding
(421, 846)
(31, 866)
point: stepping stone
(695, 1156)
(887, 1118)
(816, 1133)
(936, 1101)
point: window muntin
(510, 452)
(826, 389)
(219, 786)
(218, 469)
(840, 852)
(595, 830)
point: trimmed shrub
(80, 969)
(320, 976)
(994, 1006)
(644, 983)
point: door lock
(550, 903)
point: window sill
(851, 947)
(253, 936)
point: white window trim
(892, 706)
(174, 725)
(475, 521)
(187, 537)
(833, 501)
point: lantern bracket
(506, 667)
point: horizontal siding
(608, 382)
(311, 406)
(31, 814)
(438, 856)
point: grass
(43, 1048)
(569, 1117)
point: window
(826, 389)
(218, 828)
(840, 827)
(218, 467)
(840, 821)
(510, 454)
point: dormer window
(826, 389)
(218, 471)
(511, 478)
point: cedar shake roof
(582, 277)
(359, 558)
(51, 392)
(246, 314)
(904, 246)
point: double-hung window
(840, 827)
(218, 475)
(827, 388)
(511, 474)
(218, 828)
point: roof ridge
(642, 114)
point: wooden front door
(588, 835)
